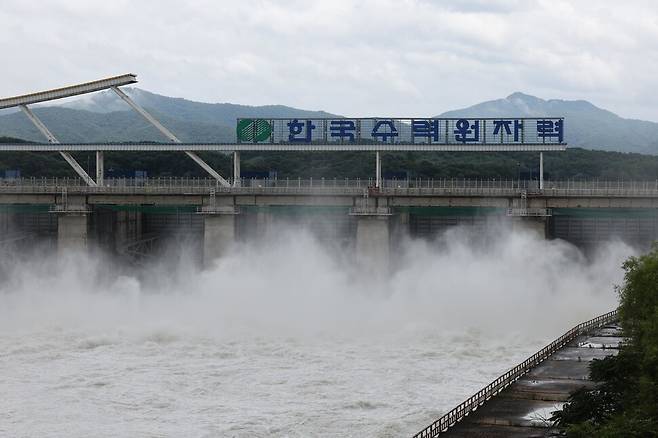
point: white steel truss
(167, 133)
(110, 83)
(52, 139)
(241, 147)
(74, 90)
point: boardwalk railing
(472, 403)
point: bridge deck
(523, 409)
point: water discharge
(284, 337)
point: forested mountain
(104, 117)
(586, 125)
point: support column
(378, 170)
(236, 169)
(72, 223)
(218, 232)
(373, 241)
(373, 235)
(100, 168)
(541, 171)
(72, 232)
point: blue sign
(453, 131)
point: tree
(625, 402)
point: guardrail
(472, 403)
(390, 187)
(370, 211)
(530, 212)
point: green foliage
(625, 402)
(572, 164)
(639, 301)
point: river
(282, 338)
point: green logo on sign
(253, 130)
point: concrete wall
(587, 231)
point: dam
(131, 217)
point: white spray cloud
(290, 284)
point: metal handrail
(390, 187)
(530, 212)
(478, 399)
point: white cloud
(367, 57)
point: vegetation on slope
(626, 401)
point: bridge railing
(400, 187)
(478, 399)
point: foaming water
(283, 338)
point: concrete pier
(72, 232)
(373, 235)
(218, 233)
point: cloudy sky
(352, 57)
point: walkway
(520, 402)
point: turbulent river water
(283, 338)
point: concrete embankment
(524, 408)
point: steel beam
(167, 133)
(378, 169)
(60, 93)
(208, 169)
(541, 171)
(149, 118)
(52, 139)
(236, 169)
(78, 169)
(39, 124)
(240, 147)
(100, 168)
